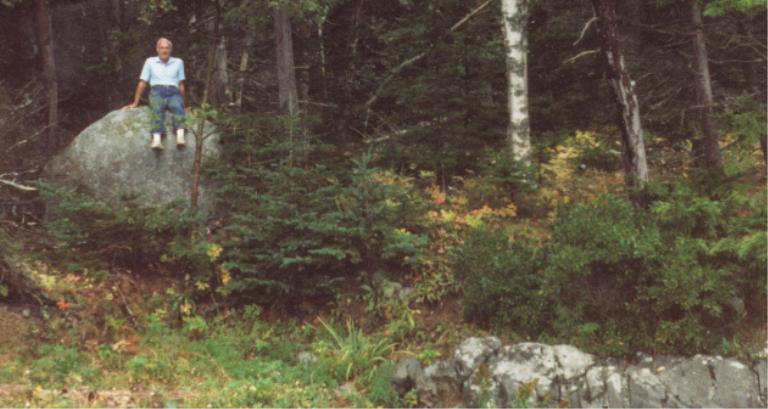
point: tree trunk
(635, 165)
(347, 82)
(221, 94)
(288, 99)
(514, 18)
(243, 69)
(44, 36)
(321, 40)
(204, 107)
(708, 141)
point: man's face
(163, 49)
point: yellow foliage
(214, 251)
(509, 211)
(438, 197)
(225, 275)
(447, 215)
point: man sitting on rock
(165, 75)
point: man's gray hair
(164, 39)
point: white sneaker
(180, 142)
(156, 144)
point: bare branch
(395, 71)
(584, 30)
(468, 16)
(581, 54)
(18, 185)
(755, 60)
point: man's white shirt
(156, 72)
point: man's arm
(183, 92)
(137, 95)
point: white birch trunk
(514, 18)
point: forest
(371, 181)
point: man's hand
(188, 109)
(137, 95)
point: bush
(302, 230)
(97, 235)
(500, 172)
(619, 278)
(499, 279)
(601, 152)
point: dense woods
(394, 174)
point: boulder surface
(485, 373)
(113, 156)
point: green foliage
(301, 230)
(11, 3)
(381, 390)
(353, 354)
(61, 365)
(96, 234)
(747, 122)
(500, 171)
(385, 302)
(499, 279)
(595, 152)
(726, 226)
(195, 327)
(721, 7)
(154, 9)
(610, 265)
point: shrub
(95, 234)
(503, 177)
(598, 255)
(302, 230)
(61, 364)
(725, 227)
(596, 152)
(354, 354)
(499, 279)
(619, 278)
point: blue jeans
(162, 98)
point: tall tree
(635, 164)
(514, 19)
(45, 37)
(708, 149)
(288, 96)
(286, 70)
(243, 68)
(221, 92)
(205, 109)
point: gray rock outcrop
(113, 156)
(486, 374)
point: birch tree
(514, 19)
(635, 164)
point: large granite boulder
(486, 374)
(113, 156)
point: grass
(152, 357)
(237, 362)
